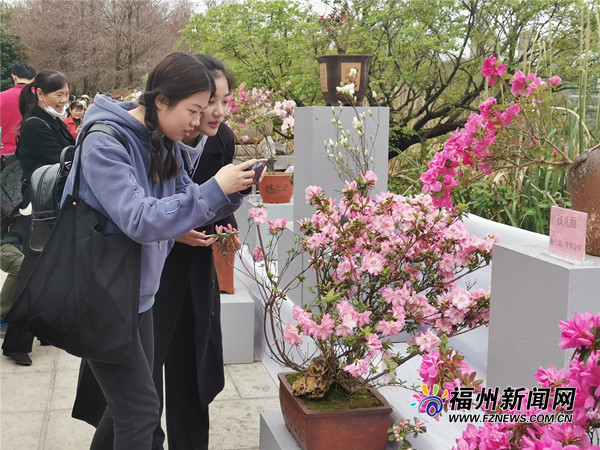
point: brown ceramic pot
(224, 268)
(584, 186)
(276, 187)
(352, 429)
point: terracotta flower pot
(584, 186)
(359, 429)
(224, 268)
(276, 187)
(333, 71)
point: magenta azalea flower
(577, 333)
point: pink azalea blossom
(551, 377)
(426, 341)
(325, 329)
(358, 368)
(577, 333)
(291, 335)
(257, 254)
(259, 215)
(491, 70)
(313, 191)
(555, 80)
(277, 224)
(374, 344)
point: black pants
(132, 411)
(187, 422)
(17, 340)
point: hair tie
(32, 90)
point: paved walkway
(35, 404)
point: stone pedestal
(313, 127)
(531, 292)
(237, 325)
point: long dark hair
(216, 68)
(175, 78)
(48, 81)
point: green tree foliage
(12, 50)
(264, 42)
(427, 54)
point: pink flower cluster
(256, 105)
(285, 111)
(583, 334)
(384, 265)
(472, 147)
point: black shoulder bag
(82, 293)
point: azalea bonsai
(380, 266)
(258, 114)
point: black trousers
(132, 411)
(17, 340)
(187, 423)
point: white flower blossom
(347, 89)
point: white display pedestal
(531, 292)
(312, 167)
(237, 325)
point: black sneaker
(22, 359)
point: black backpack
(12, 180)
(48, 184)
(11, 196)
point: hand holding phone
(258, 168)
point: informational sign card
(567, 232)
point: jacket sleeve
(112, 175)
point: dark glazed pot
(584, 186)
(333, 72)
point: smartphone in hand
(258, 168)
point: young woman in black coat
(43, 135)
(187, 317)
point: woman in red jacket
(75, 120)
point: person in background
(43, 135)
(11, 252)
(187, 318)
(10, 117)
(75, 120)
(85, 101)
(145, 194)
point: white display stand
(532, 291)
(237, 325)
(312, 167)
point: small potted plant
(380, 266)
(263, 120)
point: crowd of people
(168, 191)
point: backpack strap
(101, 127)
